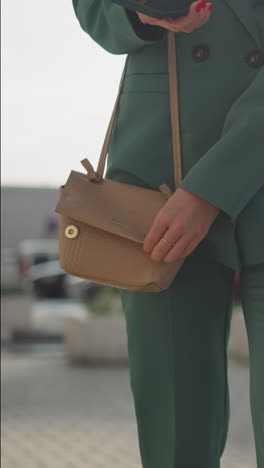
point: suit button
(201, 53)
(255, 58)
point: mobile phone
(157, 8)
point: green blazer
(221, 94)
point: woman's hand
(199, 14)
(184, 221)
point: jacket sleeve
(113, 27)
(232, 171)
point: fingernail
(198, 8)
(203, 3)
(210, 7)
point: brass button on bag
(101, 238)
(71, 232)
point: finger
(177, 250)
(197, 17)
(162, 248)
(185, 21)
(195, 25)
(205, 12)
(204, 15)
(172, 235)
(180, 24)
(158, 229)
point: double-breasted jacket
(220, 71)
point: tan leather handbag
(103, 223)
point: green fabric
(221, 116)
(242, 133)
(108, 24)
(177, 343)
(177, 339)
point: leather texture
(111, 219)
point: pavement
(55, 415)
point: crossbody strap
(174, 109)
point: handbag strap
(174, 109)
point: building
(27, 213)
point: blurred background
(66, 400)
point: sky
(58, 91)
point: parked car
(10, 278)
(48, 280)
(32, 252)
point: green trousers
(177, 344)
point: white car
(33, 252)
(10, 277)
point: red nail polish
(203, 3)
(211, 6)
(198, 8)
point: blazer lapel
(243, 10)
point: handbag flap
(122, 209)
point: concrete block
(97, 340)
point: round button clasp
(71, 231)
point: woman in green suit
(177, 339)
